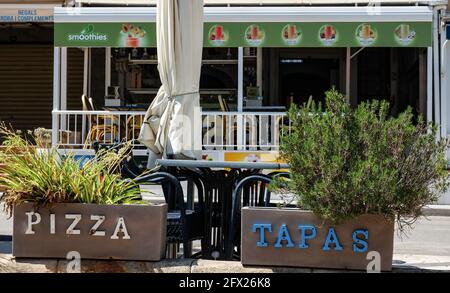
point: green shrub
(346, 162)
(45, 177)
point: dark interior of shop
(288, 75)
(300, 79)
(393, 74)
(397, 75)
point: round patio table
(220, 179)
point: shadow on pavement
(5, 244)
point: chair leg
(204, 245)
(167, 195)
(168, 250)
(187, 249)
(172, 250)
(190, 194)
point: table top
(220, 164)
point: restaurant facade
(258, 58)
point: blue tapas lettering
(331, 239)
(360, 238)
(304, 236)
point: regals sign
(26, 15)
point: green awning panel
(273, 34)
(105, 35)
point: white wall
(446, 82)
(445, 199)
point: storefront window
(134, 74)
(218, 81)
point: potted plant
(59, 206)
(354, 173)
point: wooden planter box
(124, 232)
(265, 240)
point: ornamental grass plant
(45, 177)
(347, 162)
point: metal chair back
(257, 194)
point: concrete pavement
(437, 210)
(9, 264)
(430, 236)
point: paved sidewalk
(406, 264)
(422, 262)
(437, 210)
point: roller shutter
(26, 84)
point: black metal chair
(250, 191)
(218, 201)
(185, 220)
(184, 224)
(197, 228)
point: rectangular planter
(124, 232)
(265, 233)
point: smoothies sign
(87, 35)
(276, 34)
(130, 35)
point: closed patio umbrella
(172, 124)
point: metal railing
(253, 131)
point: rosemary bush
(346, 162)
(44, 177)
